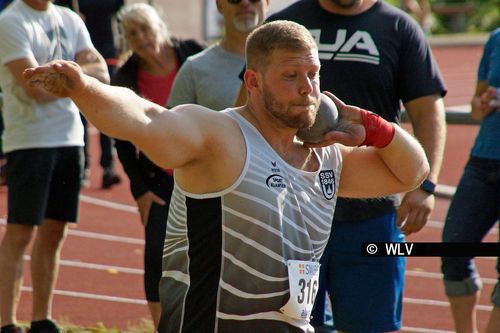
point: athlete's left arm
(370, 172)
(427, 115)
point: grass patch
(144, 326)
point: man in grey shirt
(211, 78)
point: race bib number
(303, 278)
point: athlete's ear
(252, 79)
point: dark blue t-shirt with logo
(374, 60)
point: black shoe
(11, 329)
(110, 178)
(44, 326)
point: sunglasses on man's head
(235, 2)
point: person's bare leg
(155, 310)
(494, 322)
(45, 265)
(463, 309)
(14, 243)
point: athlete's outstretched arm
(120, 113)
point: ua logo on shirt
(358, 47)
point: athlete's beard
(283, 113)
(247, 24)
(346, 3)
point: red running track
(100, 277)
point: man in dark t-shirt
(98, 17)
(375, 56)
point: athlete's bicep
(365, 175)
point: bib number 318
(303, 278)
(308, 290)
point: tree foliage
(485, 16)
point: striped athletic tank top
(225, 254)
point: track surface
(100, 278)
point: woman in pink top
(154, 60)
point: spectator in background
(210, 78)
(154, 61)
(43, 142)
(3, 179)
(421, 10)
(98, 16)
(474, 209)
(3, 161)
(375, 56)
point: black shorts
(153, 251)
(44, 183)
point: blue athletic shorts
(366, 292)
(44, 183)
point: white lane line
(423, 330)
(440, 303)
(439, 276)
(109, 204)
(108, 237)
(97, 267)
(435, 224)
(96, 235)
(77, 294)
(440, 225)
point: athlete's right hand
(349, 130)
(61, 78)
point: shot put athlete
(252, 206)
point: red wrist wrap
(379, 132)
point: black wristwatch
(428, 186)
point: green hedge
(484, 18)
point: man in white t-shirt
(43, 141)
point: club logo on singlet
(358, 47)
(327, 181)
(275, 180)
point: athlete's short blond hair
(276, 35)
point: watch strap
(428, 186)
